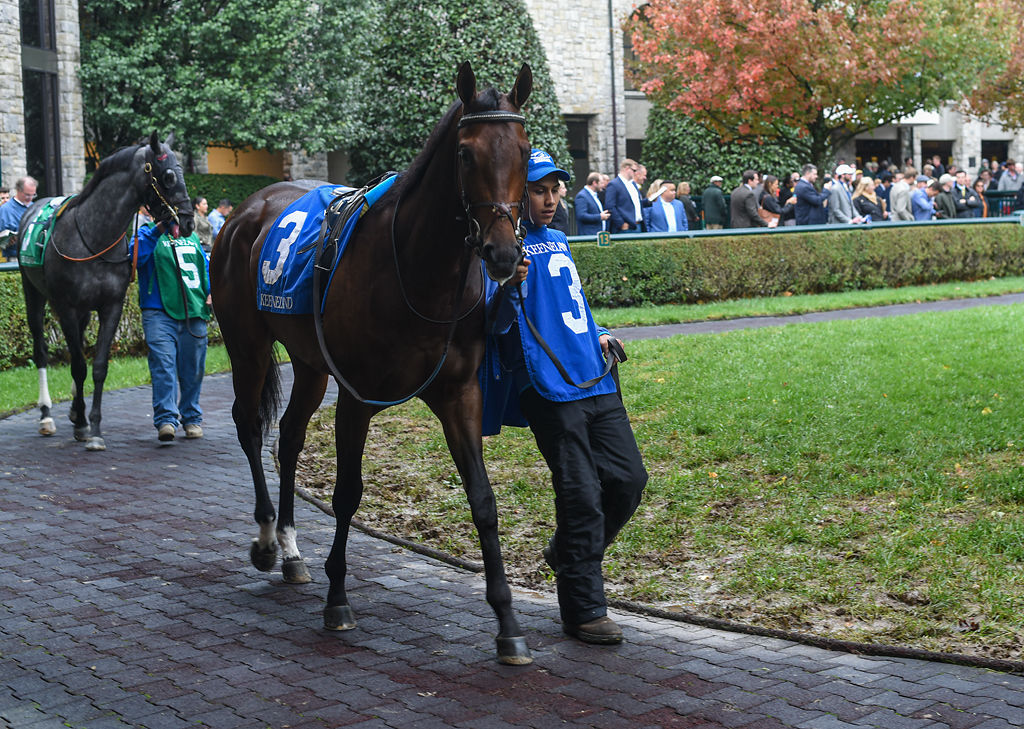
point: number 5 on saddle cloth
(311, 234)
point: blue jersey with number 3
(553, 299)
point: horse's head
(491, 156)
(165, 194)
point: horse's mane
(487, 100)
(116, 162)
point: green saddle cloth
(38, 232)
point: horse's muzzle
(501, 261)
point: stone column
(12, 110)
(70, 108)
(303, 166)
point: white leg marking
(267, 532)
(286, 538)
(44, 390)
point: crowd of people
(845, 195)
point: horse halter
(172, 209)
(500, 209)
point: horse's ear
(154, 142)
(466, 83)
(170, 140)
(522, 87)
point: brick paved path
(128, 601)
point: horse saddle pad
(38, 231)
(293, 247)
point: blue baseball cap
(541, 165)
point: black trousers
(598, 478)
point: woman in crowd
(980, 186)
(203, 228)
(866, 202)
(683, 196)
(769, 207)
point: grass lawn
(782, 305)
(859, 479)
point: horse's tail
(270, 396)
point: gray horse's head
(165, 194)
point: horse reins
(473, 241)
(173, 210)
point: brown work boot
(601, 631)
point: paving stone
(116, 614)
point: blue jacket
(922, 205)
(588, 214)
(654, 217)
(809, 204)
(618, 202)
(514, 360)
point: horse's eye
(465, 156)
(170, 179)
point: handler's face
(543, 197)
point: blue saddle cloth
(285, 283)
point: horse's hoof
(82, 434)
(513, 651)
(262, 558)
(47, 426)
(294, 571)
(96, 444)
(339, 617)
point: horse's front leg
(350, 425)
(73, 326)
(35, 310)
(459, 410)
(308, 387)
(109, 316)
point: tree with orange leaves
(825, 69)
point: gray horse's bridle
(500, 209)
(172, 209)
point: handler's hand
(604, 342)
(521, 270)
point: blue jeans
(177, 358)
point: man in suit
(590, 213)
(840, 199)
(622, 199)
(666, 214)
(811, 205)
(899, 199)
(743, 204)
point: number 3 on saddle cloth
(289, 253)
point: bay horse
(402, 317)
(86, 267)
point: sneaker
(165, 433)
(601, 631)
(192, 430)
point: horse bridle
(475, 238)
(172, 209)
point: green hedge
(16, 342)
(233, 187)
(702, 268)
(707, 268)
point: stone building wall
(575, 36)
(12, 100)
(72, 121)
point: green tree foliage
(370, 77)
(417, 47)
(679, 148)
(266, 75)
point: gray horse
(87, 267)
